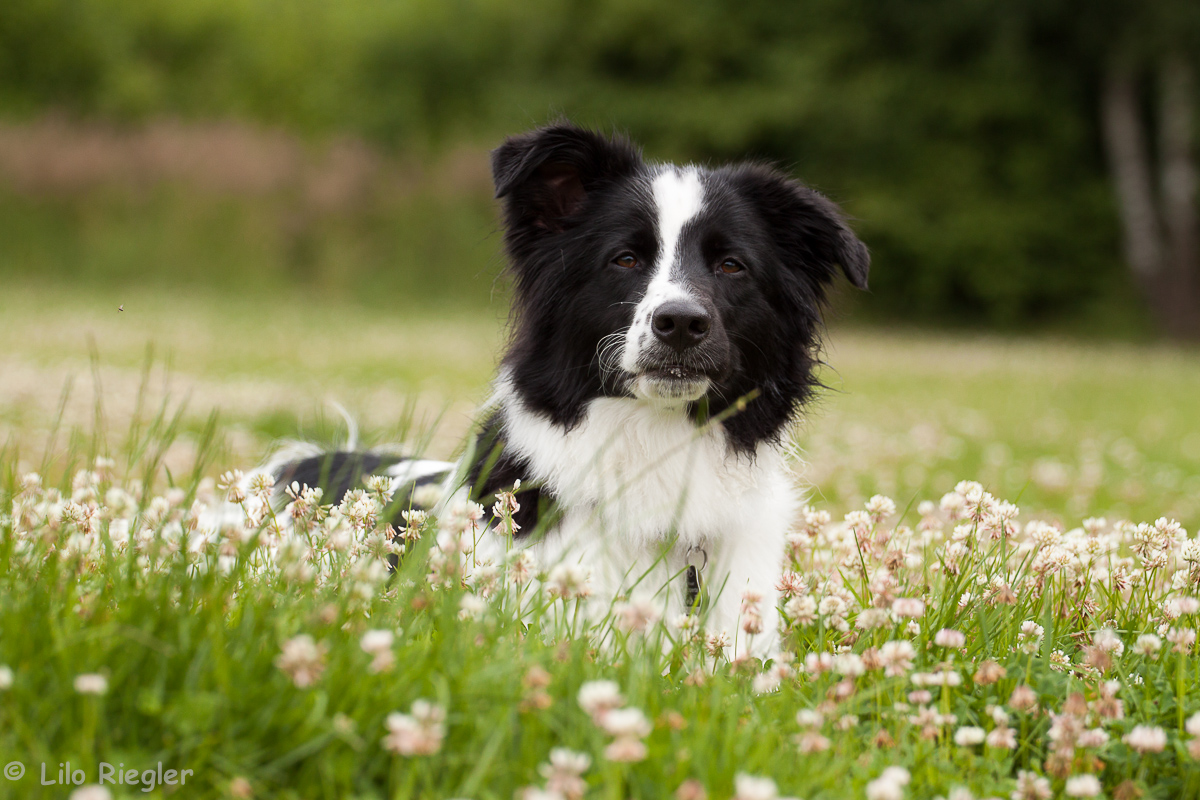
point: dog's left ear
(808, 226)
(546, 175)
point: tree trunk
(1130, 164)
(1161, 238)
(1181, 256)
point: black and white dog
(666, 329)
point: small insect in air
(121, 307)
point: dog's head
(673, 285)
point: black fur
(336, 472)
(494, 469)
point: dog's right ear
(546, 175)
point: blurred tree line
(1009, 161)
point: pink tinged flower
(1082, 786)
(1002, 737)
(418, 733)
(1023, 699)
(1031, 786)
(1107, 640)
(950, 638)
(636, 615)
(625, 749)
(811, 742)
(91, 683)
(908, 607)
(1182, 638)
(1092, 738)
(628, 726)
(599, 697)
(302, 659)
(1146, 739)
(563, 773)
(1192, 725)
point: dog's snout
(681, 324)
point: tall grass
(953, 649)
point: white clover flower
(889, 785)
(569, 581)
(599, 697)
(872, 618)
(625, 722)
(949, 638)
(880, 508)
(1147, 645)
(1031, 786)
(803, 610)
(302, 659)
(908, 607)
(765, 682)
(897, 657)
(637, 614)
(969, 735)
(418, 733)
(848, 664)
(472, 606)
(91, 683)
(751, 787)
(1029, 636)
(6, 677)
(1107, 640)
(92, 791)
(562, 774)
(808, 718)
(1146, 739)
(1082, 786)
(374, 642)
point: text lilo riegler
(115, 774)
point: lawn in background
(1071, 429)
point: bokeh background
(262, 206)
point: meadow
(957, 647)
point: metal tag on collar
(697, 560)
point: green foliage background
(963, 136)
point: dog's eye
(626, 260)
(731, 266)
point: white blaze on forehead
(678, 198)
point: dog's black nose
(682, 324)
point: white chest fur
(642, 485)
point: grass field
(949, 652)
